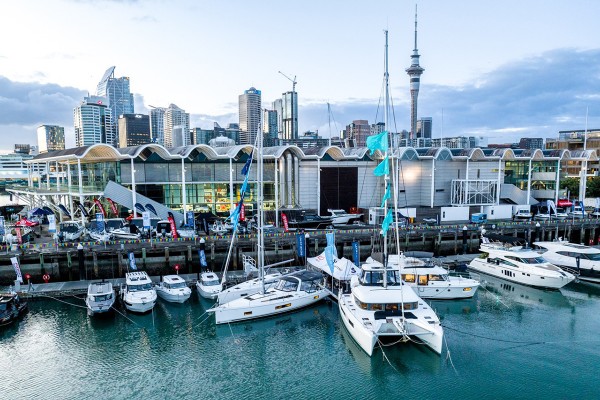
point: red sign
(174, 233)
(285, 222)
(113, 206)
(100, 207)
(243, 212)
(19, 237)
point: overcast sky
(502, 69)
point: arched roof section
(443, 154)
(505, 154)
(354, 152)
(589, 155)
(144, 151)
(406, 153)
(100, 152)
(556, 154)
(192, 151)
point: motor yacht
(99, 236)
(341, 217)
(208, 285)
(577, 211)
(520, 265)
(381, 307)
(582, 261)
(432, 281)
(173, 288)
(561, 214)
(127, 232)
(137, 293)
(11, 308)
(100, 298)
(71, 231)
(310, 221)
(293, 291)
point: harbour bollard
(167, 257)
(96, 269)
(81, 262)
(144, 257)
(70, 265)
(464, 239)
(212, 256)
(188, 260)
(43, 271)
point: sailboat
(380, 305)
(293, 291)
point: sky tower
(414, 71)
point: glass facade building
(120, 99)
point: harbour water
(510, 341)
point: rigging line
(401, 172)
(57, 299)
(495, 294)
(127, 318)
(493, 339)
(385, 357)
(448, 356)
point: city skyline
(492, 69)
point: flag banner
(51, 223)
(386, 196)
(301, 244)
(83, 210)
(2, 229)
(246, 167)
(383, 168)
(171, 219)
(378, 142)
(202, 257)
(285, 222)
(189, 219)
(139, 207)
(19, 237)
(330, 251)
(64, 210)
(243, 212)
(356, 252)
(15, 264)
(387, 222)
(100, 207)
(113, 206)
(99, 222)
(146, 219)
(151, 208)
(132, 261)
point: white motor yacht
(341, 217)
(520, 265)
(98, 236)
(137, 293)
(577, 212)
(293, 291)
(126, 233)
(432, 281)
(208, 285)
(173, 288)
(380, 306)
(71, 230)
(561, 214)
(582, 261)
(100, 297)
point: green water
(509, 342)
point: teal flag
(387, 221)
(378, 142)
(383, 168)
(386, 196)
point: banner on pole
(19, 237)
(51, 223)
(132, 261)
(285, 222)
(356, 252)
(189, 219)
(146, 219)
(99, 222)
(301, 244)
(2, 229)
(15, 264)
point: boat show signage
(100, 207)
(51, 223)
(100, 222)
(301, 244)
(19, 236)
(146, 219)
(132, 264)
(356, 252)
(113, 206)
(189, 216)
(15, 264)
(2, 229)
(285, 222)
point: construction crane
(293, 134)
(291, 80)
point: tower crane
(291, 80)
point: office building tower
(157, 125)
(250, 109)
(50, 138)
(118, 93)
(424, 126)
(358, 131)
(93, 123)
(531, 143)
(134, 130)
(289, 116)
(414, 72)
(176, 117)
(278, 107)
(270, 129)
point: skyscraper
(250, 109)
(134, 130)
(50, 138)
(120, 99)
(93, 122)
(424, 126)
(289, 115)
(157, 125)
(414, 72)
(176, 117)
(278, 107)
(270, 127)
(358, 131)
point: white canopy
(343, 269)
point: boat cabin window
(139, 287)
(410, 278)
(176, 285)
(102, 297)
(287, 286)
(423, 280)
(309, 286)
(210, 282)
(114, 224)
(386, 307)
(528, 260)
(508, 263)
(583, 256)
(591, 256)
(438, 277)
(375, 278)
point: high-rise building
(92, 122)
(270, 127)
(531, 143)
(424, 127)
(289, 116)
(358, 131)
(175, 116)
(250, 109)
(157, 125)
(50, 138)
(414, 72)
(278, 107)
(118, 93)
(204, 136)
(134, 130)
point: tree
(572, 185)
(593, 187)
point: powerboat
(382, 307)
(100, 298)
(341, 217)
(221, 228)
(11, 308)
(208, 285)
(520, 265)
(542, 217)
(71, 231)
(577, 211)
(173, 288)
(310, 221)
(137, 293)
(127, 232)
(561, 214)
(99, 236)
(293, 291)
(432, 281)
(582, 261)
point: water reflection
(510, 292)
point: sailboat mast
(260, 204)
(386, 78)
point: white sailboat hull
(265, 305)
(362, 335)
(457, 288)
(247, 288)
(531, 277)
